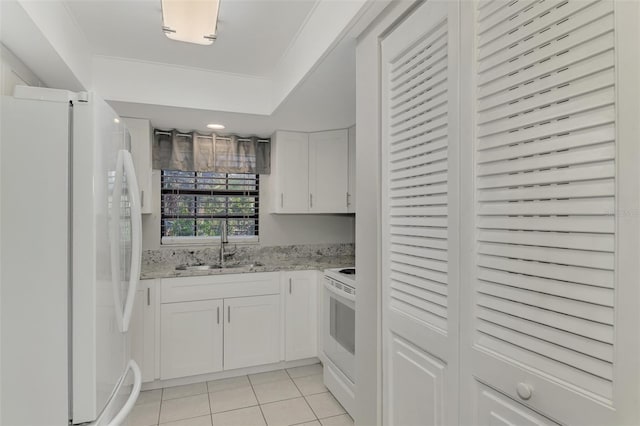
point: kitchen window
(195, 204)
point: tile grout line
(303, 396)
(206, 385)
(257, 400)
(160, 410)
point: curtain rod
(188, 135)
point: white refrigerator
(70, 233)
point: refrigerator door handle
(136, 237)
(120, 417)
(124, 166)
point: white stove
(342, 279)
(339, 316)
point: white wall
(275, 230)
(14, 72)
(368, 317)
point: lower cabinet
(142, 330)
(191, 338)
(251, 331)
(301, 314)
(207, 336)
(202, 325)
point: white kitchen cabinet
(351, 197)
(300, 295)
(252, 331)
(310, 172)
(141, 143)
(290, 171)
(143, 329)
(191, 338)
(328, 171)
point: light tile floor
(295, 396)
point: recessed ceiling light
(215, 126)
(116, 120)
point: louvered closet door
(545, 165)
(420, 217)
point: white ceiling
(252, 34)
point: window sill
(200, 242)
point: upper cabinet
(351, 197)
(141, 139)
(290, 171)
(310, 172)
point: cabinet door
(351, 198)
(328, 171)
(291, 164)
(191, 338)
(142, 329)
(251, 331)
(141, 140)
(301, 314)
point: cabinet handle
(289, 285)
(311, 200)
(142, 198)
(282, 200)
(348, 203)
(218, 314)
(229, 314)
(148, 296)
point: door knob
(525, 391)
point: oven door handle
(339, 293)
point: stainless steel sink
(243, 265)
(210, 267)
(196, 267)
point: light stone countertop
(167, 270)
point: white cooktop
(345, 278)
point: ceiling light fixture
(191, 21)
(215, 126)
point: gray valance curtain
(175, 150)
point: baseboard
(157, 384)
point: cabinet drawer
(497, 409)
(219, 286)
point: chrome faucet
(223, 240)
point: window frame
(209, 240)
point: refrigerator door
(35, 270)
(104, 229)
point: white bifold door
(510, 206)
(548, 310)
(420, 217)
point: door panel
(291, 169)
(544, 282)
(420, 217)
(300, 314)
(412, 371)
(499, 410)
(328, 171)
(191, 338)
(252, 332)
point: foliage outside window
(195, 204)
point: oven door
(339, 329)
